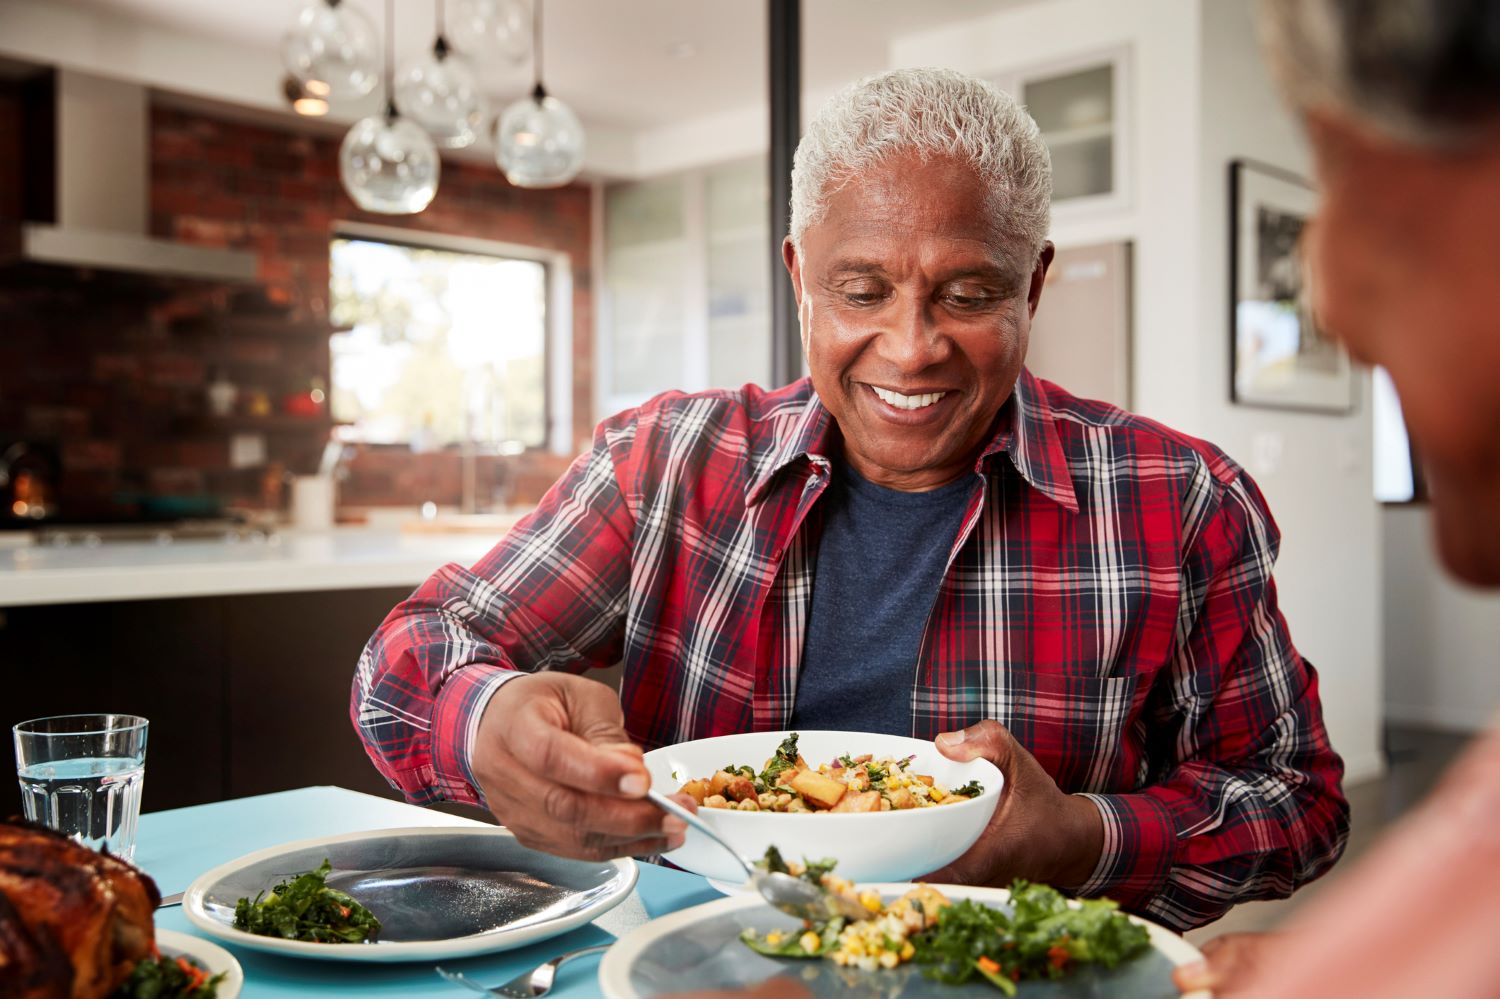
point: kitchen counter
(345, 558)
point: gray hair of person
(1421, 71)
(929, 112)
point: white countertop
(344, 558)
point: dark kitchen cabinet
(246, 694)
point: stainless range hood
(100, 193)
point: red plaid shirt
(1108, 598)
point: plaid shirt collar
(1024, 432)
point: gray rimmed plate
(699, 948)
(439, 892)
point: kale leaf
(305, 908)
(790, 943)
(812, 870)
(1041, 937)
(784, 759)
(169, 978)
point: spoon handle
(673, 808)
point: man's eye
(967, 301)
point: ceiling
(631, 63)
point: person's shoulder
(1139, 445)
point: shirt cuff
(455, 723)
(1140, 842)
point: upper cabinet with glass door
(1080, 108)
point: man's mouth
(919, 401)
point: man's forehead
(898, 200)
(886, 246)
(978, 263)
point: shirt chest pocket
(1082, 729)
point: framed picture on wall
(1278, 356)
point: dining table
(177, 845)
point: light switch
(1266, 449)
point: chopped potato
(824, 792)
(864, 801)
(740, 789)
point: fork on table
(527, 985)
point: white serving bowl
(874, 846)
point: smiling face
(1403, 257)
(916, 311)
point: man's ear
(1039, 277)
(789, 258)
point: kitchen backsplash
(115, 374)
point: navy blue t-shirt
(880, 561)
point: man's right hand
(556, 768)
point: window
(444, 345)
(1398, 477)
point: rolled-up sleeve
(551, 595)
(1243, 800)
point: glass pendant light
(490, 29)
(539, 140)
(332, 50)
(387, 163)
(441, 93)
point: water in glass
(83, 775)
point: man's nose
(912, 339)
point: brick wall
(115, 373)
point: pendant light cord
(390, 59)
(440, 42)
(539, 91)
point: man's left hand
(1038, 832)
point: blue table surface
(176, 846)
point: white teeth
(908, 401)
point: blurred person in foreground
(1401, 102)
(921, 538)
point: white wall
(1329, 574)
(1442, 639)
(1200, 98)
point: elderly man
(921, 538)
(1402, 106)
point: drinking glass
(82, 775)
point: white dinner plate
(207, 955)
(700, 949)
(439, 892)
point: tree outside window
(443, 347)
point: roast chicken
(73, 923)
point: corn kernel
(907, 950)
(870, 900)
(889, 960)
(809, 942)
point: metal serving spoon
(794, 896)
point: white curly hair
(931, 112)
